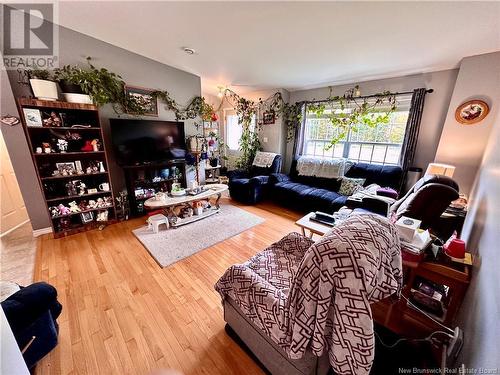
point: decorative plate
(471, 112)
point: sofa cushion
(383, 175)
(320, 199)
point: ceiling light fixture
(189, 51)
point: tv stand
(145, 179)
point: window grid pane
(380, 144)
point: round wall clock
(471, 112)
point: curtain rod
(429, 91)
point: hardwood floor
(123, 314)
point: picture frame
(87, 217)
(143, 95)
(268, 117)
(33, 117)
(472, 112)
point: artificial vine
(107, 87)
(355, 111)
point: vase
(44, 90)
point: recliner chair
(250, 186)
(426, 200)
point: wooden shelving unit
(401, 318)
(211, 173)
(54, 187)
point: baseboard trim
(14, 228)
(39, 232)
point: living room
(250, 187)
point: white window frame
(336, 151)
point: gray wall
(436, 105)
(480, 310)
(463, 145)
(135, 69)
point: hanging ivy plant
(355, 111)
(106, 87)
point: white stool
(156, 220)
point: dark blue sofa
(251, 186)
(32, 311)
(308, 194)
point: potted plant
(42, 85)
(70, 79)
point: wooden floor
(124, 314)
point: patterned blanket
(317, 296)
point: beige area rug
(171, 245)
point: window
(378, 145)
(234, 130)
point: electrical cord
(448, 333)
(452, 332)
(428, 338)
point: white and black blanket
(317, 296)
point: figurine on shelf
(53, 120)
(63, 210)
(108, 201)
(96, 145)
(87, 147)
(46, 147)
(100, 203)
(101, 167)
(62, 145)
(102, 216)
(73, 207)
(92, 204)
(81, 187)
(64, 223)
(54, 211)
(71, 188)
(83, 205)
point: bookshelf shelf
(55, 188)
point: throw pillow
(387, 192)
(349, 186)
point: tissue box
(406, 227)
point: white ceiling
(293, 45)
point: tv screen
(147, 141)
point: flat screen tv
(147, 141)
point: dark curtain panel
(412, 129)
(299, 135)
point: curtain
(299, 135)
(412, 128)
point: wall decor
(33, 117)
(269, 117)
(471, 112)
(9, 120)
(144, 98)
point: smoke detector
(189, 51)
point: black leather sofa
(251, 186)
(307, 194)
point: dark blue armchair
(250, 187)
(32, 312)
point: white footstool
(156, 220)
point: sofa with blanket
(311, 193)
(302, 306)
